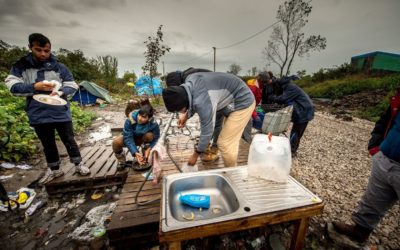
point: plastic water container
(270, 159)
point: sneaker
(121, 160)
(210, 155)
(82, 169)
(346, 235)
(50, 175)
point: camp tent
(147, 86)
(377, 61)
(88, 93)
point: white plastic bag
(189, 169)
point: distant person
(207, 93)
(303, 109)
(27, 78)
(383, 189)
(256, 87)
(176, 79)
(140, 129)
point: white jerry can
(270, 158)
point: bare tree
(287, 39)
(234, 69)
(155, 50)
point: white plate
(51, 100)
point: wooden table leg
(299, 234)
(176, 245)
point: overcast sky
(193, 27)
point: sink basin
(233, 195)
(223, 199)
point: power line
(250, 37)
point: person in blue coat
(31, 75)
(140, 129)
(303, 109)
(383, 189)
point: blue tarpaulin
(143, 86)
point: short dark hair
(39, 39)
(147, 111)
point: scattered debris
(96, 195)
(188, 217)
(8, 165)
(94, 219)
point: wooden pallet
(103, 172)
(131, 224)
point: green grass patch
(351, 85)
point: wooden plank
(241, 224)
(299, 234)
(107, 166)
(132, 222)
(100, 162)
(71, 175)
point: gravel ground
(333, 162)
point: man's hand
(44, 86)
(182, 119)
(140, 158)
(193, 159)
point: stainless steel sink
(223, 199)
(233, 195)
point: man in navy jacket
(303, 109)
(32, 75)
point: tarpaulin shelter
(147, 86)
(377, 61)
(89, 92)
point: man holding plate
(46, 84)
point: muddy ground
(332, 162)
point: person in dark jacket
(140, 129)
(383, 189)
(32, 75)
(303, 109)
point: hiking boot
(121, 160)
(82, 169)
(354, 236)
(50, 175)
(210, 155)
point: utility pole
(163, 68)
(214, 48)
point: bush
(351, 85)
(14, 123)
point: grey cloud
(78, 6)
(70, 24)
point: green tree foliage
(129, 76)
(81, 67)
(9, 55)
(155, 50)
(287, 39)
(108, 69)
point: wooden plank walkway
(131, 224)
(103, 172)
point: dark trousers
(295, 135)
(46, 134)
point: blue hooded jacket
(133, 129)
(303, 108)
(26, 72)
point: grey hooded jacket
(210, 92)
